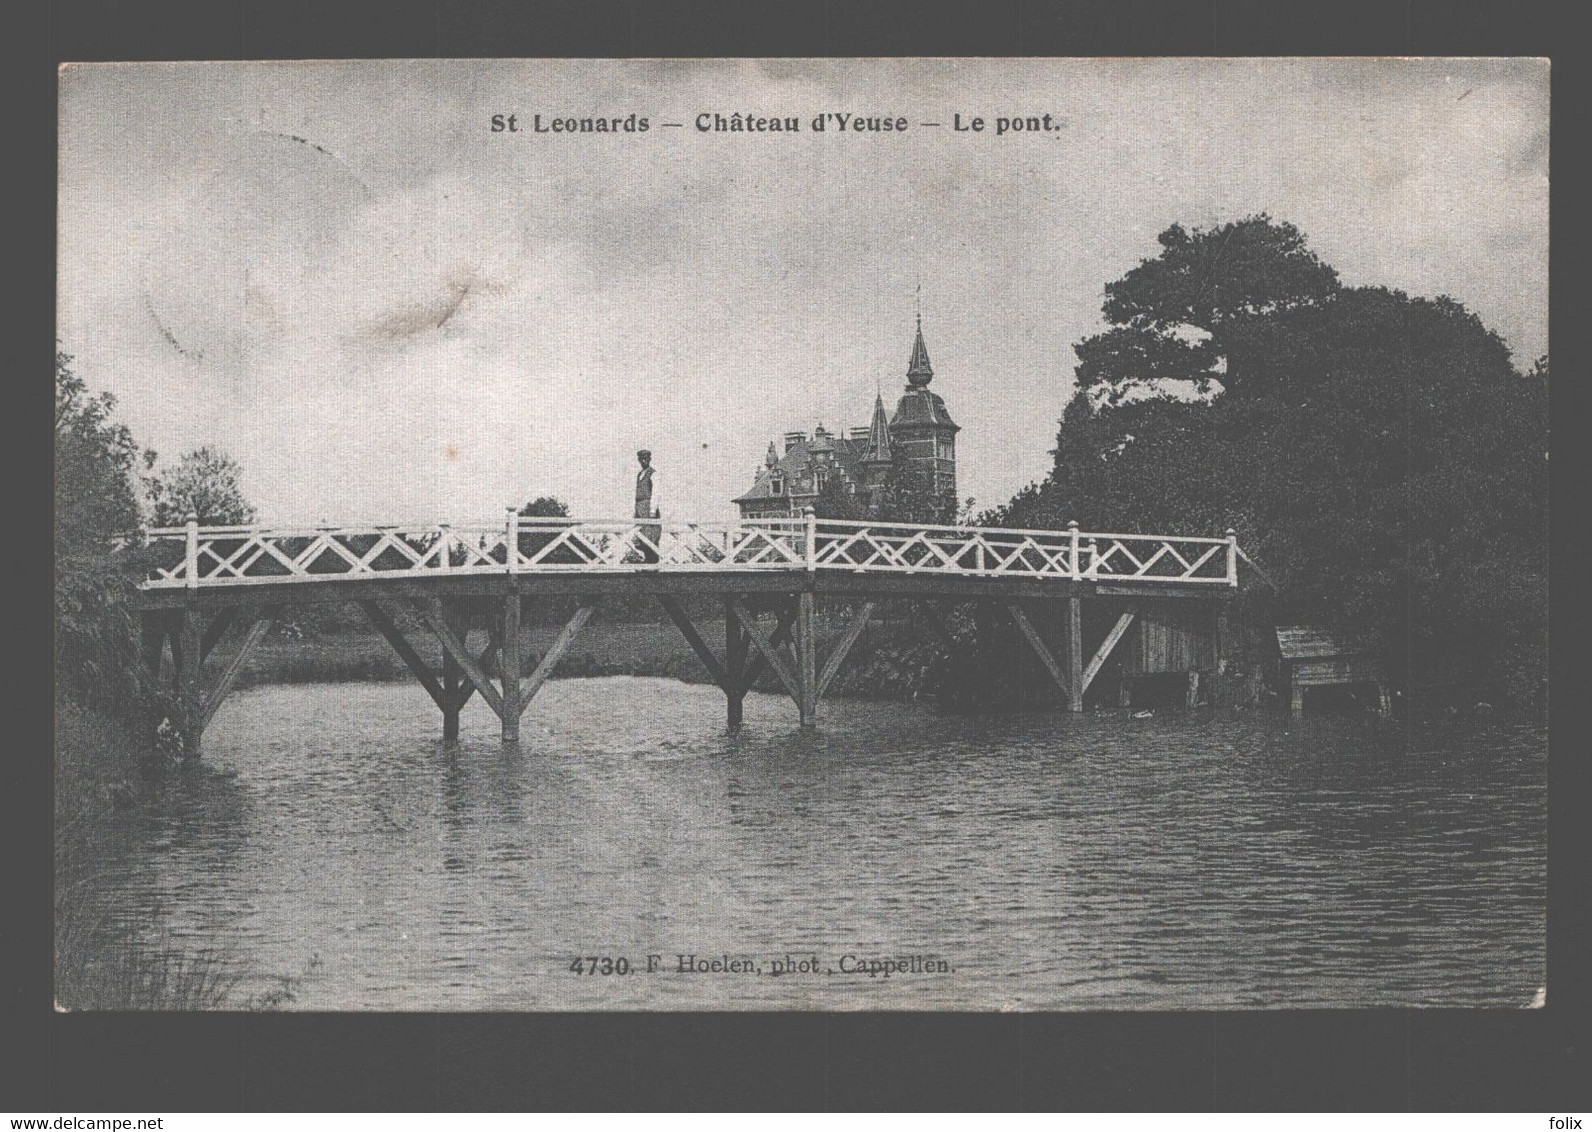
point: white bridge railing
(193, 556)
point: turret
(919, 371)
(921, 429)
(877, 448)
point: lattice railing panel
(210, 556)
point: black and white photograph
(914, 534)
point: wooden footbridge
(203, 583)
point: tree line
(107, 486)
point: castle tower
(921, 430)
(876, 457)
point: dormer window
(819, 480)
(777, 485)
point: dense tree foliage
(910, 495)
(204, 482)
(545, 507)
(1201, 312)
(98, 470)
(96, 498)
(96, 466)
(1379, 454)
(835, 502)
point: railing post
(445, 539)
(1072, 531)
(191, 559)
(511, 537)
(811, 518)
(1232, 557)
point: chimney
(858, 435)
(794, 438)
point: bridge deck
(665, 582)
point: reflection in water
(1054, 862)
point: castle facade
(919, 436)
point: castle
(920, 435)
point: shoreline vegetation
(104, 769)
(107, 775)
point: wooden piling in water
(509, 667)
(806, 661)
(734, 667)
(1075, 653)
(453, 685)
(189, 655)
(152, 642)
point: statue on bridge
(648, 505)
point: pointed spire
(919, 372)
(878, 433)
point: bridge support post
(509, 668)
(1075, 653)
(806, 661)
(734, 667)
(189, 654)
(1222, 649)
(152, 643)
(453, 685)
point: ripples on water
(1056, 862)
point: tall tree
(96, 464)
(1382, 457)
(1196, 313)
(96, 499)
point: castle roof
(919, 407)
(919, 371)
(878, 449)
(797, 466)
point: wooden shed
(1166, 638)
(1315, 657)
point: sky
(385, 311)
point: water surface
(1049, 862)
